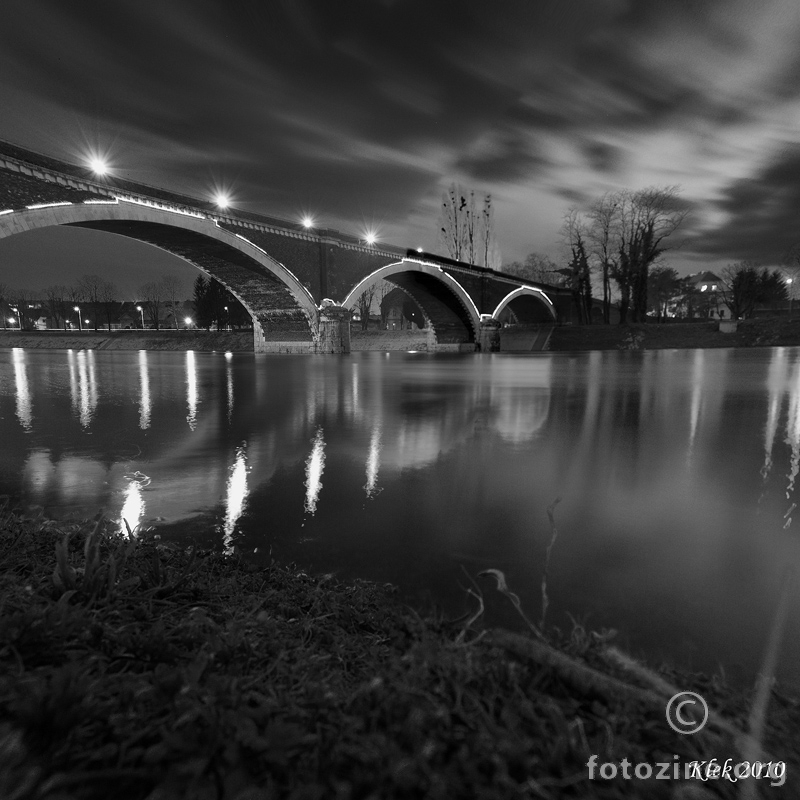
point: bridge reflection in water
(678, 472)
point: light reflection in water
(776, 385)
(23, 392)
(191, 389)
(84, 389)
(315, 466)
(373, 462)
(609, 432)
(697, 396)
(73, 381)
(229, 382)
(235, 497)
(145, 403)
(133, 506)
(793, 433)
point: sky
(363, 112)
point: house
(703, 296)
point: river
(676, 471)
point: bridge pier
(334, 330)
(489, 335)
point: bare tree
(466, 234)
(56, 302)
(172, 287)
(490, 248)
(365, 305)
(746, 285)
(602, 217)
(644, 220)
(791, 268)
(3, 298)
(91, 287)
(107, 293)
(574, 236)
(664, 288)
(20, 302)
(538, 269)
(150, 295)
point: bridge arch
(529, 304)
(275, 298)
(447, 306)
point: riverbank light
(77, 310)
(141, 311)
(187, 320)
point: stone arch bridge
(300, 286)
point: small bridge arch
(271, 293)
(529, 305)
(447, 306)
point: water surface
(676, 470)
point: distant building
(703, 297)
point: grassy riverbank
(235, 341)
(133, 670)
(768, 332)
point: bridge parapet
(280, 270)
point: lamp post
(80, 322)
(791, 295)
(226, 317)
(141, 312)
(19, 316)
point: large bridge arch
(447, 306)
(529, 304)
(277, 301)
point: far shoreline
(761, 332)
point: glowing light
(419, 249)
(47, 205)
(187, 320)
(7, 211)
(315, 466)
(98, 165)
(24, 402)
(191, 389)
(11, 320)
(370, 237)
(235, 498)
(308, 222)
(222, 200)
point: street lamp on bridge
(80, 322)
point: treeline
(214, 305)
(158, 304)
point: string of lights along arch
(300, 283)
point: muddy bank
(131, 668)
(236, 341)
